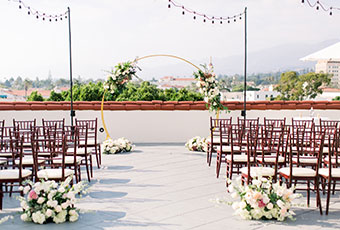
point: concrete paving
(165, 187)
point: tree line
(144, 91)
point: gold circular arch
(136, 60)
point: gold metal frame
(136, 60)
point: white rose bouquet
(262, 199)
(197, 144)
(117, 146)
(48, 201)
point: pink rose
(261, 204)
(33, 195)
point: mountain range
(280, 58)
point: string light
(38, 14)
(204, 16)
(318, 5)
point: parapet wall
(168, 105)
(162, 122)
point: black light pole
(245, 66)
(70, 50)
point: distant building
(328, 61)
(262, 95)
(19, 95)
(328, 94)
(330, 67)
(173, 82)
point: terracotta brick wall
(169, 105)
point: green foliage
(56, 96)
(35, 96)
(144, 91)
(293, 86)
(337, 98)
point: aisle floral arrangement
(208, 85)
(262, 200)
(48, 201)
(197, 144)
(117, 146)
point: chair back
(91, 130)
(275, 123)
(24, 125)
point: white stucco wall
(158, 126)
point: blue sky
(105, 32)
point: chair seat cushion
(80, 151)
(227, 149)
(305, 160)
(325, 172)
(216, 140)
(3, 161)
(54, 173)
(14, 173)
(29, 161)
(6, 155)
(89, 142)
(270, 159)
(258, 171)
(239, 158)
(298, 172)
(68, 160)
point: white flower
(245, 214)
(61, 189)
(24, 217)
(58, 208)
(72, 212)
(27, 189)
(41, 200)
(280, 204)
(270, 206)
(74, 217)
(64, 205)
(243, 205)
(256, 213)
(60, 218)
(24, 205)
(52, 203)
(38, 217)
(265, 199)
(49, 213)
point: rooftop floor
(165, 187)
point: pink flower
(261, 204)
(33, 195)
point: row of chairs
(299, 152)
(51, 151)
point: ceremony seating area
(304, 153)
(50, 151)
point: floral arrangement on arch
(49, 201)
(121, 75)
(208, 85)
(117, 146)
(197, 144)
(262, 199)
